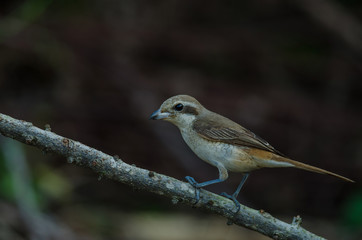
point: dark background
(290, 71)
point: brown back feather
(224, 130)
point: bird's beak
(157, 115)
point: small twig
(178, 191)
(297, 221)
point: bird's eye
(178, 107)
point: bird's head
(181, 110)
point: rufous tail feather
(269, 159)
(314, 169)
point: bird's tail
(314, 169)
(269, 159)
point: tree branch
(180, 192)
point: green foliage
(6, 187)
(31, 10)
(353, 211)
(51, 185)
(25, 14)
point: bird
(224, 144)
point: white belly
(233, 158)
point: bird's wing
(232, 134)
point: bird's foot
(195, 184)
(233, 198)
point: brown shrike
(223, 143)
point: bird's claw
(232, 198)
(193, 183)
(191, 180)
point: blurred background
(290, 71)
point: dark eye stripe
(190, 110)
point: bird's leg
(236, 193)
(223, 175)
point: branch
(180, 192)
